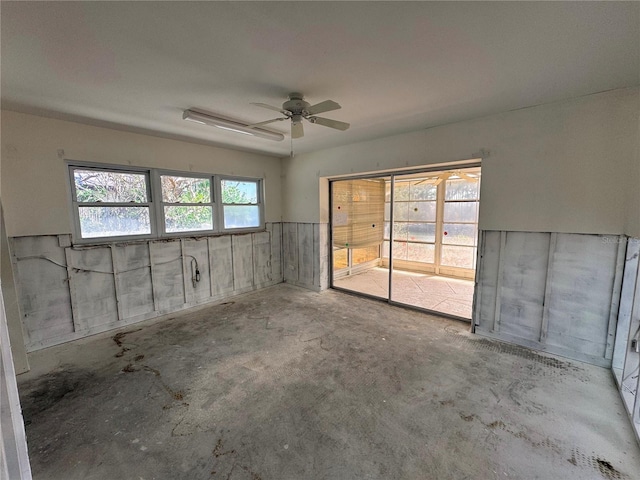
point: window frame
(439, 242)
(156, 205)
(409, 200)
(446, 245)
(260, 203)
(157, 174)
(75, 204)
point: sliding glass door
(424, 255)
(357, 230)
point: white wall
(11, 305)
(14, 457)
(554, 167)
(34, 183)
(633, 187)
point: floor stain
(518, 390)
(177, 395)
(467, 418)
(515, 350)
(604, 467)
(607, 469)
(261, 386)
(52, 388)
(118, 339)
(121, 352)
(219, 451)
(545, 443)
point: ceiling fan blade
(266, 122)
(326, 106)
(277, 109)
(442, 177)
(466, 177)
(327, 122)
(297, 131)
(427, 180)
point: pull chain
(291, 154)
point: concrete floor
(453, 296)
(286, 383)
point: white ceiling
(393, 66)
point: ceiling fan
(297, 109)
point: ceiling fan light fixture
(230, 125)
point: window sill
(171, 237)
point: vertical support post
(391, 205)
(544, 326)
(154, 294)
(233, 277)
(330, 227)
(615, 296)
(253, 256)
(270, 262)
(320, 254)
(440, 194)
(634, 302)
(15, 456)
(635, 316)
(269, 229)
(477, 292)
(209, 268)
(496, 318)
(72, 291)
(116, 289)
(184, 275)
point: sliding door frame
(392, 174)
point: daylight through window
(240, 203)
(187, 203)
(113, 203)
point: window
(460, 228)
(240, 205)
(435, 219)
(112, 203)
(414, 221)
(187, 203)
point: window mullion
(440, 201)
(218, 205)
(156, 198)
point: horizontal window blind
(358, 213)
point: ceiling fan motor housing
(296, 104)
